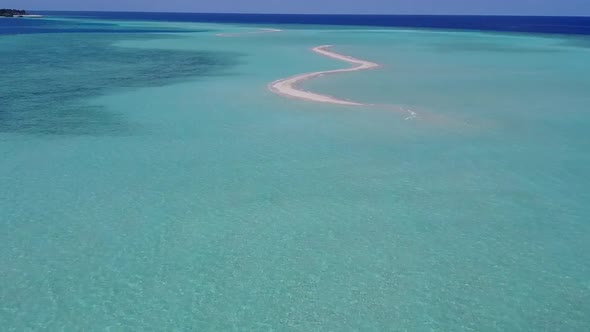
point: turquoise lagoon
(150, 181)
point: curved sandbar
(248, 33)
(288, 86)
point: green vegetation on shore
(12, 12)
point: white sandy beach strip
(288, 86)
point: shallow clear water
(152, 182)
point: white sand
(288, 86)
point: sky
(460, 7)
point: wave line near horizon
(237, 34)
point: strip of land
(288, 86)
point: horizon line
(310, 14)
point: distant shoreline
(17, 13)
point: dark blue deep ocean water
(534, 24)
(10, 26)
